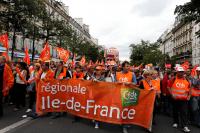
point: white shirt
(18, 79)
(43, 75)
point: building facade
(166, 44)
(182, 41)
(61, 12)
(195, 44)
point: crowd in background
(177, 92)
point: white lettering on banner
(54, 89)
(90, 108)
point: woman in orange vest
(180, 92)
(44, 74)
(60, 73)
(78, 73)
(151, 82)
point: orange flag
(63, 54)
(193, 71)
(4, 40)
(26, 57)
(185, 65)
(82, 61)
(45, 54)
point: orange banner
(107, 102)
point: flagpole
(33, 49)
(13, 44)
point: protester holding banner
(6, 81)
(46, 73)
(179, 91)
(60, 73)
(78, 73)
(98, 76)
(90, 72)
(69, 72)
(125, 76)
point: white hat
(198, 69)
(179, 69)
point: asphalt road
(12, 122)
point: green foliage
(190, 11)
(34, 20)
(146, 52)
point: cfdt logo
(129, 97)
(180, 85)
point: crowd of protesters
(177, 92)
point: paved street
(13, 123)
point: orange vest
(180, 89)
(146, 85)
(195, 92)
(63, 74)
(78, 75)
(156, 84)
(124, 77)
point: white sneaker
(28, 110)
(24, 116)
(186, 130)
(175, 125)
(125, 130)
(96, 125)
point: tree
(190, 11)
(145, 52)
(17, 16)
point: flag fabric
(168, 66)
(193, 71)
(4, 40)
(26, 57)
(45, 54)
(63, 54)
(185, 65)
(82, 61)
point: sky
(119, 23)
